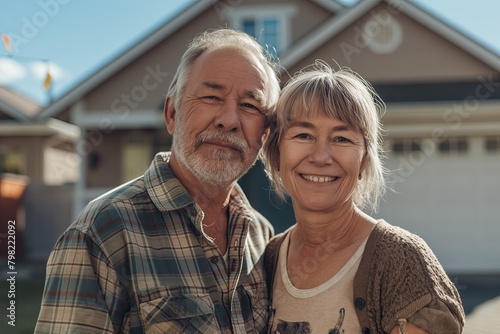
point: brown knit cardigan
(399, 277)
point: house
(442, 123)
(37, 166)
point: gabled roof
(338, 23)
(45, 128)
(117, 64)
(330, 5)
(17, 106)
(22, 112)
(301, 49)
(126, 58)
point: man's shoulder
(111, 205)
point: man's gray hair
(214, 39)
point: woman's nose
(321, 154)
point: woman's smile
(318, 178)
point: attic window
(270, 25)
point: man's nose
(227, 117)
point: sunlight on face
(320, 160)
(219, 130)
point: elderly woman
(338, 270)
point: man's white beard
(223, 167)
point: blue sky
(75, 38)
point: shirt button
(214, 259)
(366, 331)
(359, 303)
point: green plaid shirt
(136, 261)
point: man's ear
(265, 135)
(169, 114)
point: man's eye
(250, 106)
(211, 99)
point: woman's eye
(342, 140)
(302, 136)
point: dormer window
(270, 25)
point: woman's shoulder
(392, 251)
(399, 269)
(389, 240)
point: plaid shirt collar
(168, 193)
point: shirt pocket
(174, 313)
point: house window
(270, 25)
(265, 31)
(60, 166)
(137, 155)
(248, 26)
(270, 31)
(492, 144)
(453, 146)
(12, 161)
(406, 145)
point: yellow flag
(6, 43)
(47, 81)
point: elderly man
(180, 248)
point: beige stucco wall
(109, 148)
(422, 56)
(108, 170)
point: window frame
(259, 13)
(130, 142)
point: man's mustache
(226, 138)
